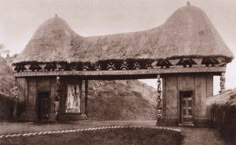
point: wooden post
(57, 98)
(159, 101)
(222, 82)
(15, 92)
(86, 97)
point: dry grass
(222, 110)
(226, 98)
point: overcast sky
(19, 19)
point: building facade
(186, 52)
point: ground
(192, 136)
(201, 136)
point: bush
(223, 116)
(6, 107)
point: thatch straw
(50, 42)
(226, 98)
(188, 32)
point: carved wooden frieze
(137, 66)
(123, 65)
(35, 67)
(20, 68)
(97, 67)
(164, 63)
(50, 67)
(186, 62)
(111, 66)
(210, 61)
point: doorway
(43, 106)
(186, 116)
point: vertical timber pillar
(86, 97)
(222, 82)
(159, 100)
(57, 98)
(15, 92)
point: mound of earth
(121, 100)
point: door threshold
(189, 124)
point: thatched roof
(188, 32)
(226, 98)
(50, 42)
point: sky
(19, 19)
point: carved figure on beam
(137, 65)
(124, 66)
(111, 66)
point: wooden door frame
(179, 105)
(39, 103)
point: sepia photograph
(117, 72)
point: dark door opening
(43, 106)
(186, 116)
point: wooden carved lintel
(122, 64)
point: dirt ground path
(201, 136)
(192, 136)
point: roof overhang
(142, 73)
